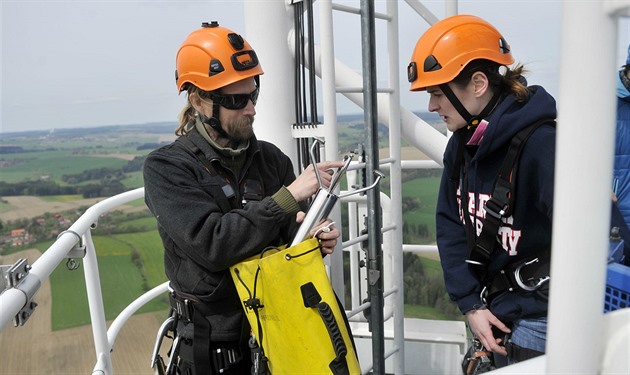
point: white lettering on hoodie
(507, 236)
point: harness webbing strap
(520, 354)
(459, 155)
(198, 154)
(228, 191)
(194, 313)
(201, 342)
(500, 204)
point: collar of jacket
(227, 151)
(211, 153)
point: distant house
(19, 237)
(62, 221)
(18, 233)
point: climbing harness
(527, 274)
(189, 331)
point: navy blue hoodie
(527, 231)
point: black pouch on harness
(477, 359)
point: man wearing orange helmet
(221, 196)
(494, 239)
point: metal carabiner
(521, 283)
(167, 325)
(172, 361)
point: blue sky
(92, 63)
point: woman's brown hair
(510, 82)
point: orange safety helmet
(447, 47)
(213, 57)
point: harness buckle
(223, 358)
(483, 295)
(182, 306)
(495, 209)
(521, 283)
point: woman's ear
(480, 82)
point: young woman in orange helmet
(220, 196)
(494, 252)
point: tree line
(108, 183)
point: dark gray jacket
(205, 226)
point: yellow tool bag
(294, 312)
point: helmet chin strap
(471, 120)
(213, 121)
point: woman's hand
(481, 322)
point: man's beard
(241, 129)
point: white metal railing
(73, 242)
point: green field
(122, 280)
(425, 191)
(424, 312)
(54, 164)
(133, 180)
(74, 151)
(61, 198)
(5, 206)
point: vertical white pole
(395, 171)
(95, 303)
(451, 7)
(267, 29)
(582, 199)
(329, 93)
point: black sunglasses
(234, 101)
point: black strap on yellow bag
(291, 306)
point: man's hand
(481, 322)
(325, 232)
(306, 184)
